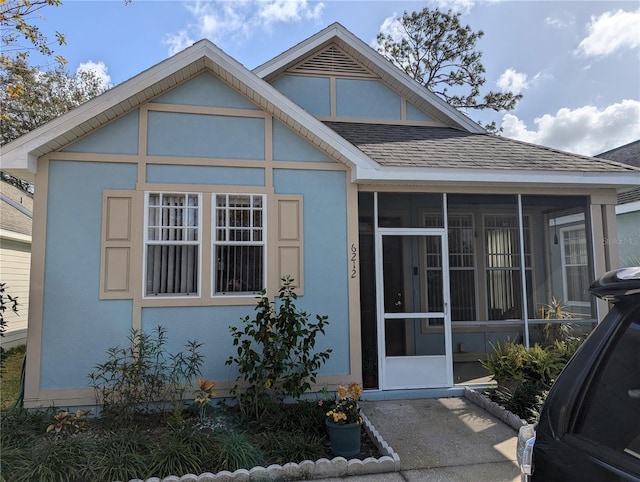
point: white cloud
(611, 32)
(99, 68)
(390, 26)
(512, 81)
(178, 41)
(462, 6)
(561, 22)
(240, 19)
(272, 11)
(586, 130)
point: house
(628, 208)
(16, 207)
(174, 197)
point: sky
(576, 63)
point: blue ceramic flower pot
(345, 439)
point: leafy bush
(275, 354)
(181, 453)
(235, 450)
(142, 377)
(525, 376)
(119, 456)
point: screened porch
(509, 267)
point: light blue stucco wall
(289, 146)
(227, 176)
(198, 135)
(77, 326)
(628, 239)
(310, 93)
(125, 130)
(414, 114)
(206, 90)
(366, 98)
(325, 255)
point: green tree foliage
(19, 33)
(30, 97)
(437, 51)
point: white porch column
(604, 239)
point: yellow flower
(267, 383)
(356, 391)
(342, 392)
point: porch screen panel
(172, 244)
(462, 277)
(238, 243)
(502, 258)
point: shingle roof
(628, 154)
(442, 147)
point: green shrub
(235, 451)
(142, 377)
(275, 353)
(180, 453)
(54, 459)
(282, 447)
(506, 362)
(120, 456)
(525, 376)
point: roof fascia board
(337, 31)
(496, 176)
(17, 155)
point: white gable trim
(336, 32)
(21, 154)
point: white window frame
(563, 231)
(148, 242)
(252, 242)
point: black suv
(589, 428)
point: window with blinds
(238, 243)
(462, 264)
(502, 264)
(172, 244)
(575, 264)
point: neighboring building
(16, 208)
(628, 208)
(174, 197)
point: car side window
(611, 414)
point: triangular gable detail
(20, 156)
(334, 61)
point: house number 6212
(354, 258)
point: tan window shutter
(290, 252)
(117, 245)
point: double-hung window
(172, 244)
(238, 244)
(575, 266)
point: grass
(11, 368)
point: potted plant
(343, 421)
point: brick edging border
(494, 409)
(306, 470)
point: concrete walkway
(442, 440)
